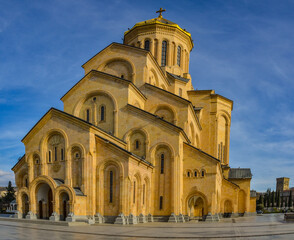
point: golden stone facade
(135, 141)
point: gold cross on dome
(160, 11)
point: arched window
(179, 56)
(162, 163)
(195, 174)
(49, 156)
(137, 144)
(88, 115)
(188, 174)
(122, 76)
(134, 193)
(62, 154)
(163, 53)
(102, 113)
(55, 153)
(26, 182)
(110, 186)
(161, 202)
(147, 45)
(202, 173)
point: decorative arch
(93, 102)
(119, 66)
(167, 112)
(153, 78)
(241, 201)
(138, 140)
(192, 197)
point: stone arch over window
(138, 142)
(164, 160)
(189, 173)
(223, 132)
(147, 44)
(196, 173)
(119, 67)
(102, 107)
(37, 166)
(164, 53)
(202, 173)
(77, 158)
(111, 189)
(166, 112)
(55, 154)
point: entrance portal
(25, 205)
(63, 205)
(196, 207)
(45, 201)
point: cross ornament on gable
(160, 11)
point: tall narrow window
(143, 194)
(147, 45)
(134, 193)
(137, 144)
(180, 92)
(163, 53)
(202, 173)
(110, 186)
(62, 154)
(26, 182)
(162, 163)
(55, 153)
(195, 174)
(88, 115)
(188, 173)
(102, 113)
(179, 56)
(49, 156)
(161, 202)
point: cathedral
(135, 142)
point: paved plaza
(269, 226)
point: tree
(10, 195)
(290, 200)
(278, 199)
(273, 198)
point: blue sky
(243, 49)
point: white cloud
(5, 177)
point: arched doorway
(228, 208)
(63, 205)
(45, 201)
(25, 205)
(196, 207)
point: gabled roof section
(19, 161)
(155, 117)
(234, 184)
(109, 76)
(178, 77)
(138, 50)
(205, 153)
(184, 100)
(138, 158)
(54, 111)
(240, 173)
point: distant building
(282, 184)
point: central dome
(167, 41)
